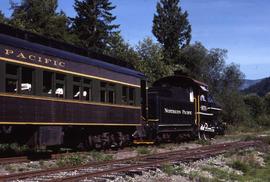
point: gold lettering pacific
(11, 53)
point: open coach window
(103, 92)
(128, 95)
(124, 94)
(19, 79)
(131, 93)
(12, 78)
(27, 81)
(54, 84)
(82, 88)
(86, 89)
(60, 85)
(111, 93)
(48, 83)
(107, 92)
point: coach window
(111, 93)
(76, 92)
(81, 89)
(124, 94)
(48, 83)
(103, 92)
(76, 88)
(107, 92)
(86, 90)
(27, 81)
(131, 94)
(60, 85)
(12, 78)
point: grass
(203, 142)
(240, 166)
(172, 169)
(196, 176)
(78, 159)
(260, 174)
(13, 148)
(70, 160)
(266, 140)
(244, 129)
(245, 161)
(99, 156)
(10, 168)
(220, 175)
(143, 150)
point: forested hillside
(261, 88)
(248, 83)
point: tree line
(93, 28)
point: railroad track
(19, 159)
(9, 160)
(111, 169)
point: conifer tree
(40, 16)
(171, 28)
(93, 23)
(2, 17)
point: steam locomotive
(56, 94)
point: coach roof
(8, 36)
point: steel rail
(137, 162)
(206, 153)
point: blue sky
(240, 26)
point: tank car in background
(179, 106)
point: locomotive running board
(143, 142)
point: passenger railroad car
(52, 93)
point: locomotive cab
(179, 107)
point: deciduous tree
(118, 48)
(151, 60)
